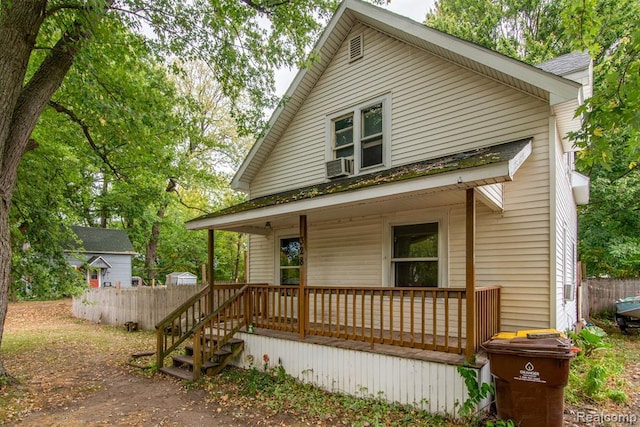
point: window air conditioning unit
(341, 166)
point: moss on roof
(466, 160)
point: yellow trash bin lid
(529, 333)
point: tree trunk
(21, 106)
(152, 248)
(236, 268)
(104, 214)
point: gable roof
(103, 240)
(97, 261)
(511, 72)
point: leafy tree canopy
(74, 67)
(536, 30)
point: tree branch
(63, 6)
(85, 130)
(268, 9)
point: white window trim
(285, 234)
(442, 218)
(357, 131)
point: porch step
(174, 371)
(183, 364)
(224, 350)
(187, 361)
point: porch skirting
(432, 385)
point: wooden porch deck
(386, 349)
(423, 324)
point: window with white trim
(361, 134)
(415, 259)
(289, 263)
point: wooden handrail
(216, 329)
(180, 324)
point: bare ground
(74, 373)
(71, 372)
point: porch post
(210, 267)
(471, 273)
(302, 314)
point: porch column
(471, 273)
(210, 267)
(302, 314)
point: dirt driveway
(74, 373)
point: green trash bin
(531, 369)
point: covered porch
(445, 318)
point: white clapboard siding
(346, 253)
(433, 386)
(261, 261)
(437, 108)
(565, 222)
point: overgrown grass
(599, 378)
(278, 392)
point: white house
(415, 194)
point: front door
(94, 278)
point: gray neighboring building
(104, 255)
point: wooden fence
(144, 305)
(599, 295)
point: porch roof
(98, 262)
(489, 165)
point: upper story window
(362, 135)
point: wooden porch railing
(429, 319)
(487, 313)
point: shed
(181, 278)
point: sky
(414, 9)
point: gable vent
(356, 48)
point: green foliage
(273, 388)
(590, 339)
(607, 240)
(597, 376)
(500, 423)
(595, 380)
(476, 391)
(534, 31)
(531, 31)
